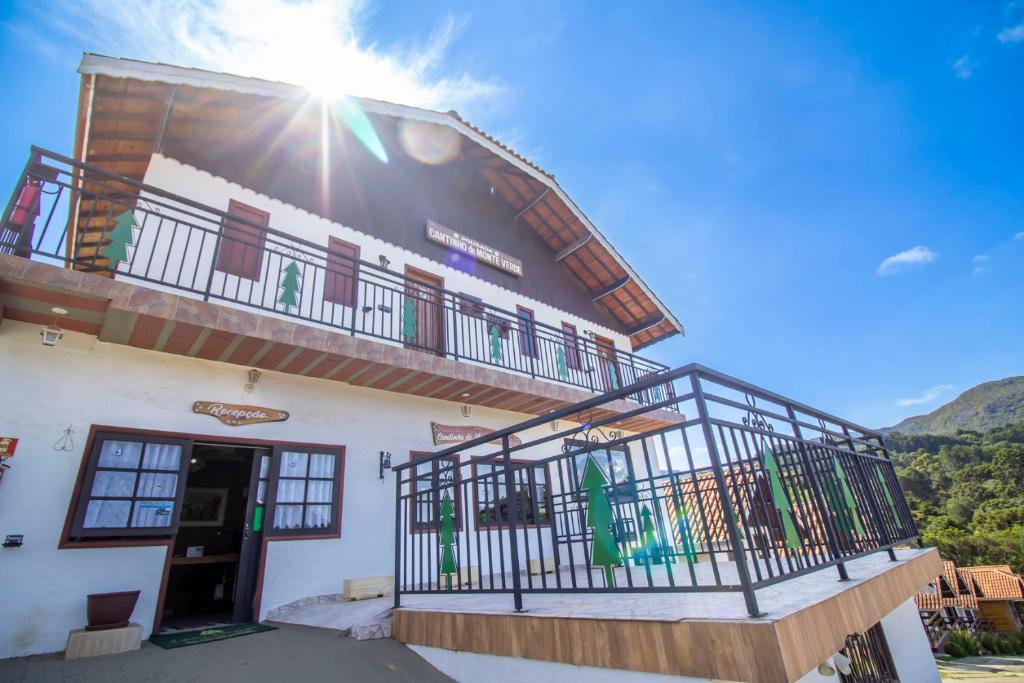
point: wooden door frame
(422, 276)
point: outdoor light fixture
(254, 377)
(467, 409)
(384, 262)
(825, 669)
(842, 663)
(52, 334)
(385, 462)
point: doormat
(208, 635)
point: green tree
(604, 550)
(779, 500)
(121, 237)
(495, 343)
(563, 368)
(651, 548)
(848, 500)
(447, 540)
(289, 287)
(613, 376)
(409, 319)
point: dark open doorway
(215, 558)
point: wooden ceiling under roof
(130, 119)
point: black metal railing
(741, 490)
(149, 235)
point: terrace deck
(708, 634)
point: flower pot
(110, 610)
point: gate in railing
(139, 232)
(733, 489)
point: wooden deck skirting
(765, 650)
(122, 312)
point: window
(432, 480)
(527, 332)
(341, 283)
(572, 348)
(532, 494)
(614, 463)
(471, 305)
(132, 487)
(307, 486)
(243, 241)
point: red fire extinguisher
(26, 206)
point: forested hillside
(980, 408)
(967, 492)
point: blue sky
(829, 195)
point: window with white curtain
(306, 493)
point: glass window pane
(261, 491)
(123, 454)
(319, 491)
(291, 490)
(293, 464)
(162, 456)
(321, 465)
(153, 513)
(264, 466)
(113, 484)
(154, 485)
(318, 516)
(103, 514)
(288, 517)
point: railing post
(731, 526)
(830, 532)
(455, 326)
(398, 538)
(513, 513)
(213, 262)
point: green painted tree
(495, 343)
(886, 492)
(686, 543)
(604, 551)
(848, 500)
(613, 376)
(651, 548)
(447, 540)
(779, 500)
(121, 237)
(290, 287)
(563, 367)
(657, 393)
(409, 319)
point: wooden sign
(448, 434)
(8, 444)
(470, 247)
(238, 415)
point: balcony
(717, 529)
(139, 234)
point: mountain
(988, 405)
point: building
(254, 304)
(951, 602)
(1000, 596)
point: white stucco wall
(911, 651)
(200, 186)
(83, 381)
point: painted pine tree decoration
(447, 540)
(409, 319)
(779, 500)
(495, 344)
(121, 237)
(604, 552)
(289, 287)
(613, 376)
(848, 500)
(885, 492)
(651, 548)
(563, 368)
(688, 547)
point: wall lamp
(384, 261)
(385, 462)
(52, 334)
(254, 377)
(467, 409)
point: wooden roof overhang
(121, 312)
(129, 109)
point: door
(252, 537)
(608, 367)
(423, 314)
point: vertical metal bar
(730, 519)
(506, 459)
(398, 538)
